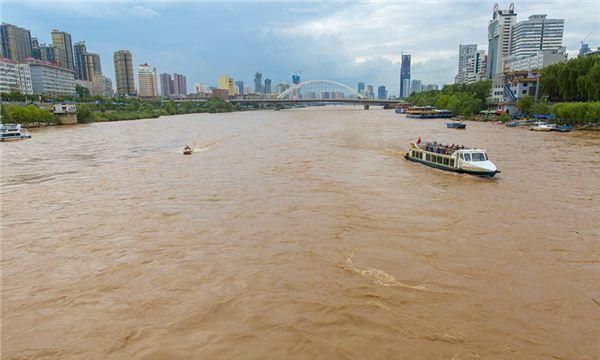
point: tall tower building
(471, 64)
(405, 76)
(381, 93)
(15, 42)
(240, 87)
(93, 68)
(361, 88)
(296, 79)
(36, 52)
(499, 38)
(258, 82)
(79, 51)
(179, 84)
(124, 73)
(64, 49)
(166, 85)
(267, 88)
(537, 33)
(147, 81)
(48, 53)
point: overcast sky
(342, 41)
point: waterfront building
(64, 49)
(499, 38)
(79, 51)
(381, 93)
(166, 85)
(50, 79)
(267, 87)
(405, 76)
(223, 82)
(535, 34)
(537, 60)
(147, 81)
(258, 82)
(239, 86)
(514, 85)
(179, 84)
(15, 77)
(222, 94)
(47, 53)
(471, 64)
(106, 86)
(361, 88)
(15, 42)
(123, 61)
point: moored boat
(563, 128)
(542, 126)
(427, 112)
(459, 159)
(13, 132)
(456, 125)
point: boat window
(446, 161)
(478, 156)
(427, 157)
(467, 157)
(451, 162)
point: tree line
(575, 80)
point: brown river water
(300, 234)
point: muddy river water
(300, 234)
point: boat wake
(378, 276)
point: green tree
(525, 105)
(82, 91)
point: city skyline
(295, 37)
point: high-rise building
(258, 82)
(537, 33)
(179, 84)
(147, 81)
(36, 52)
(48, 53)
(415, 87)
(267, 87)
(166, 85)
(79, 50)
(64, 49)
(123, 61)
(106, 89)
(405, 76)
(239, 85)
(223, 83)
(499, 38)
(381, 93)
(93, 68)
(361, 88)
(471, 64)
(370, 93)
(15, 42)
(296, 79)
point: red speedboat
(187, 150)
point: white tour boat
(13, 132)
(542, 126)
(452, 158)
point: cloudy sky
(341, 40)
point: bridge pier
(366, 106)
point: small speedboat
(456, 125)
(187, 150)
(542, 126)
(563, 128)
(13, 132)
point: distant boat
(187, 150)
(13, 132)
(456, 125)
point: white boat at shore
(472, 161)
(13, 132)
(542, 126)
